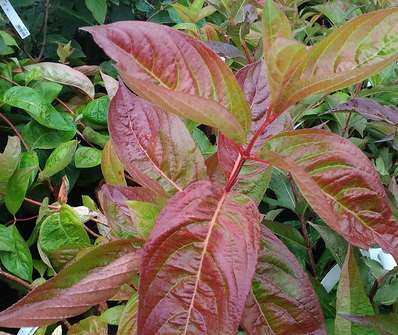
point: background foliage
(59, 111)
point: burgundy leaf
(177, 73)
(155, 147)
(340, 184)
(283, 300)
(254, 178)
(370, 109)
(198, 263)
(88, 281)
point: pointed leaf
(93, 325)
(9, 160)
(58, 159)
(111, 166)
(19, 260)
(114, 203)
(176, 72)
(155, 147)
(87, 157)
(352, 298)
(198, 263)
(36, 106)
(370, 109)
(360, 48)
(19, 182)
(90, 280)
(283, 300)
(254, 177)
(128, 320)
(340, 184)
(65, 75)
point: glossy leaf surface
(362, 47)
(199, 258)
(176, 72)
(93, 278)
(9, 160)
(155, 147)
(35, 105)
(340, 184)
(283, 300)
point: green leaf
(9, 161)
(63, 231)
(89, 326)
(87, 157)
(95, 137)
(128, 319)
(98, 8)
(203, 143)
(38, 108)
(352, 298)
(47, 89)
(385, 324)
(335, 243)
(19, 260)
(59, 159)
(19, 182)
(97, 111)
(144, 214)
(111, 166)
(40, 137)
(112, 315)
(5, 238)
(387, 292)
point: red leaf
(155, 147)
(176, 72)
(283, 300)
(252, 181)
(198, 263)
(340, 184)
(88, 281)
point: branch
(15, 279)
(6, 120)
(45, 22)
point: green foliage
(110, 195)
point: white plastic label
(27, 331)
(14, 18)
(331, 278)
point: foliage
(243, 153)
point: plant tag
(14, 18)
(26, 330)
(331, 278)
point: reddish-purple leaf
(370, 109)
(155, 147)
(254, 178)
(88, 281)
(283, 300)
(340, 184)
(198, 263)
(176, 72)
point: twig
(308, 243)
(37, 203)
(43, 45)
(91, 232)
(15, 279)
(6, 120)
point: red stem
(246, 154)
